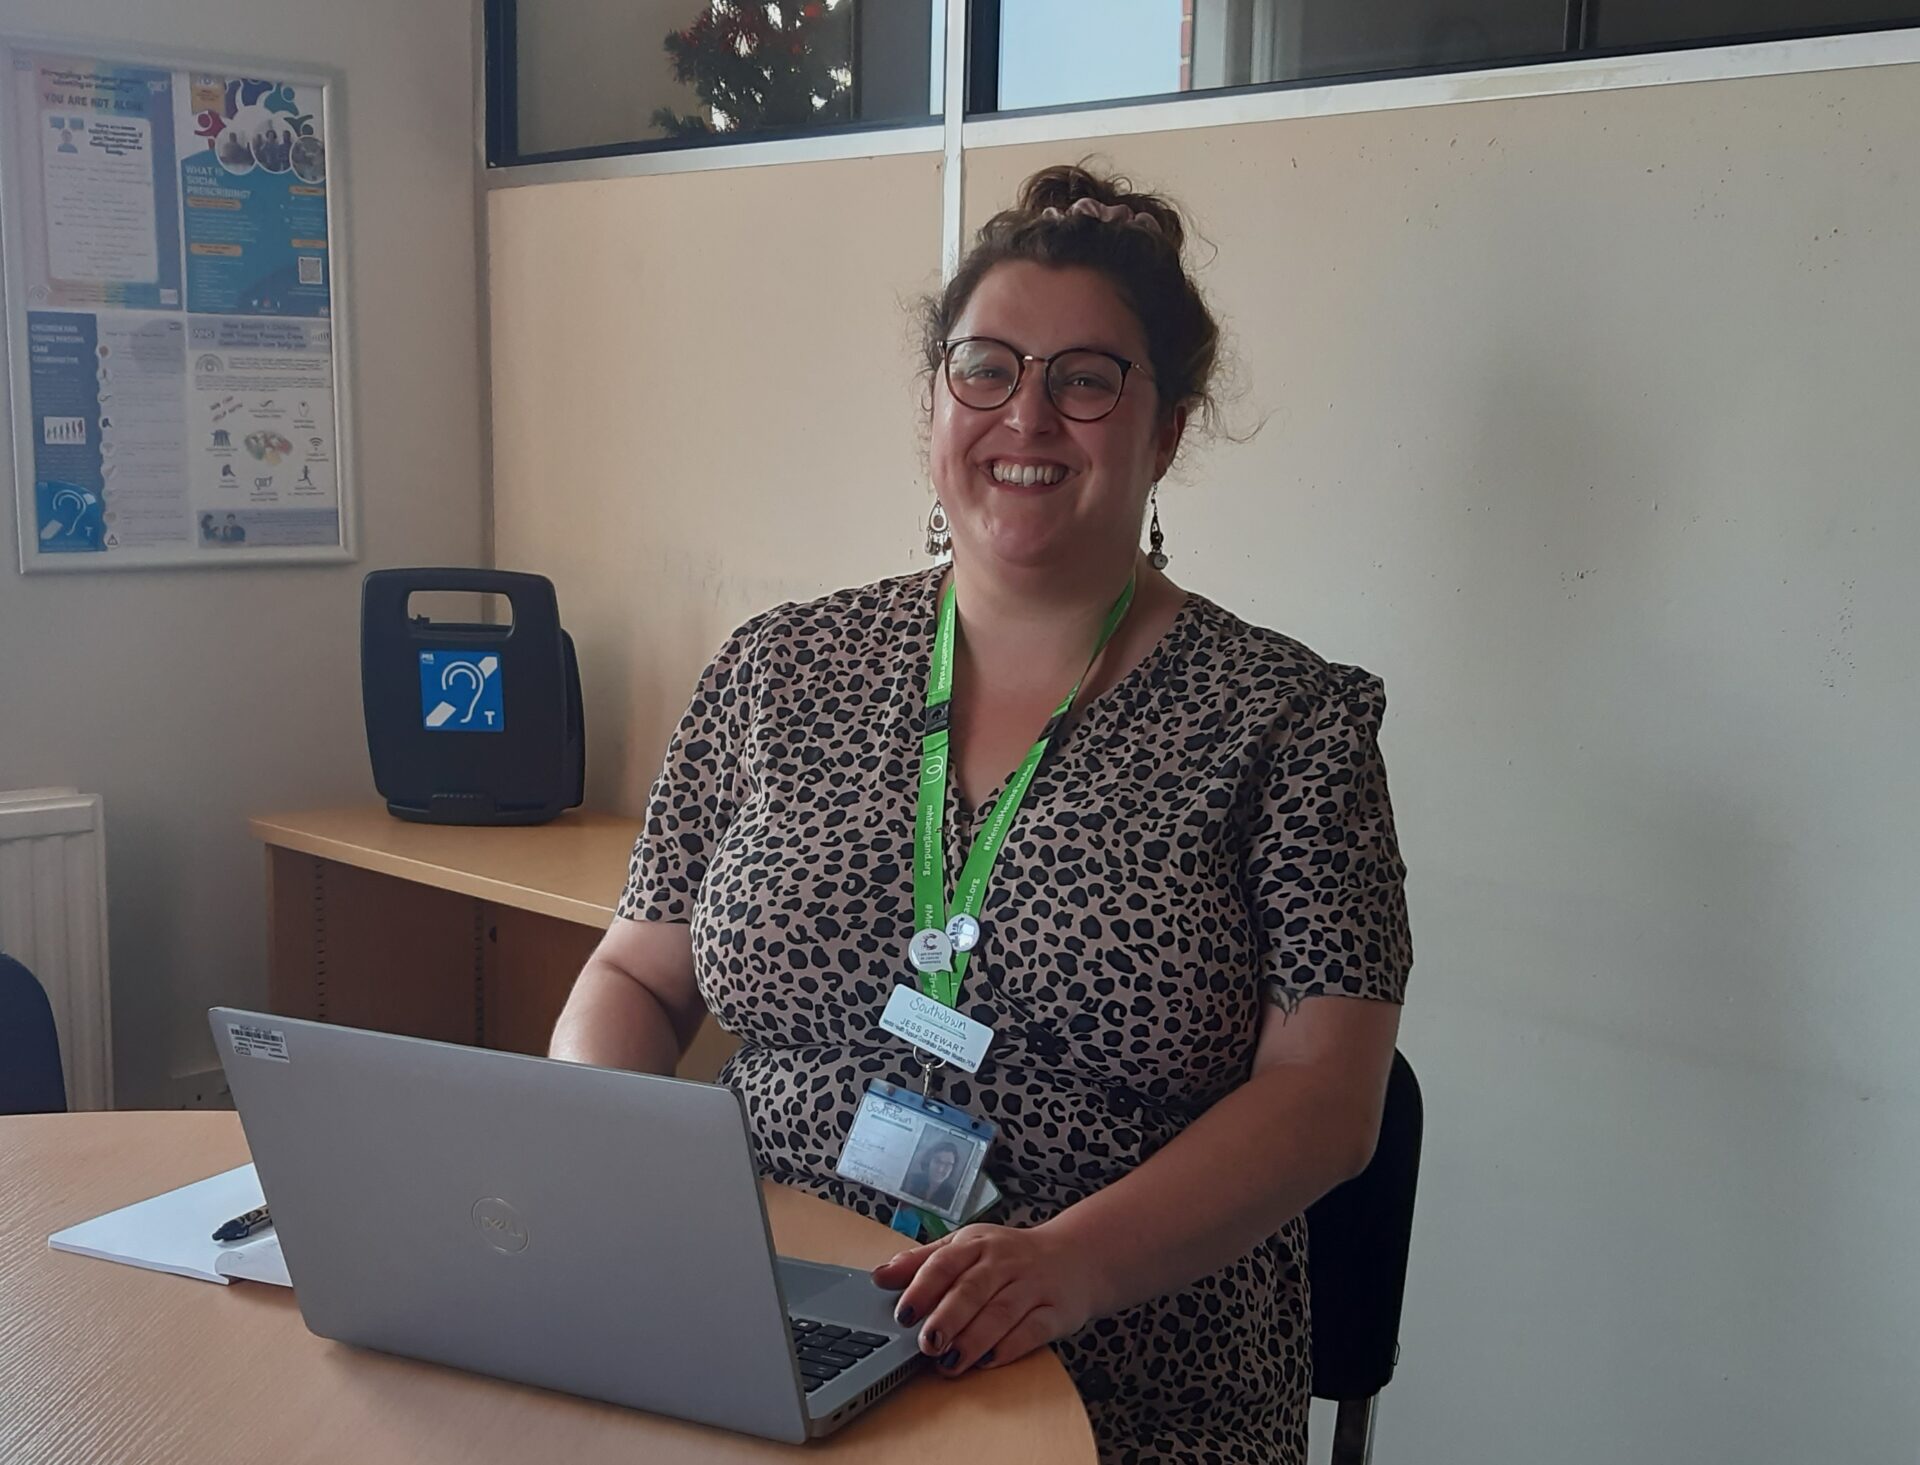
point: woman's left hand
(988, 1295)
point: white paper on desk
(257, 1259)
(174, 1233)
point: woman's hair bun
(1065, 184)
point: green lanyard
(940, 980)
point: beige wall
(191, 699)
(1589, 427)
(704, 405)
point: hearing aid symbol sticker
(461, 692)
(71, 518)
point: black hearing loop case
(469, 723)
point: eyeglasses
(1084, 385)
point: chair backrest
(31, 1079)
(1357, 1240)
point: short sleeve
(697, 792)
(1324, 878)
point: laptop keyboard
(827, 1350)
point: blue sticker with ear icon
(71, 518)
(460, 691)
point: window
(1647, 23)
(1315, 40)
(605, 76)
(1051, 53)
(593, 78)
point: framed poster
(176, 331)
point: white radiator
(53, 918)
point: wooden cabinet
(468, 935)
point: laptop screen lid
(582, 1229)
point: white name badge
(935, 1028)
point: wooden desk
(469, 935)
(100, 1362)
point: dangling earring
(939, 539)
(1158, 555)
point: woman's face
(939, 1166)
(1086, 504)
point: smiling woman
(1177, 930)
(1083, 279)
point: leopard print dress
(1210, 834)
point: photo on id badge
(917, 1149)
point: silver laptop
(581, 1229)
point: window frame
(980, 122)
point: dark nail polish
(932, 1342)
(986, 1358)
(905, 1316)
(950, 1359)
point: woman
(932, 1178)
(1193, 942)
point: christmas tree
(760, 64)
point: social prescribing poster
(173, 313)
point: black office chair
(31, 1079)
(1357, 1240)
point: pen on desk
(244, 1225)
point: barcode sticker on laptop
(253, 1042)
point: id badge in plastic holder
(916, 1149)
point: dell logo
(499, 1225)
